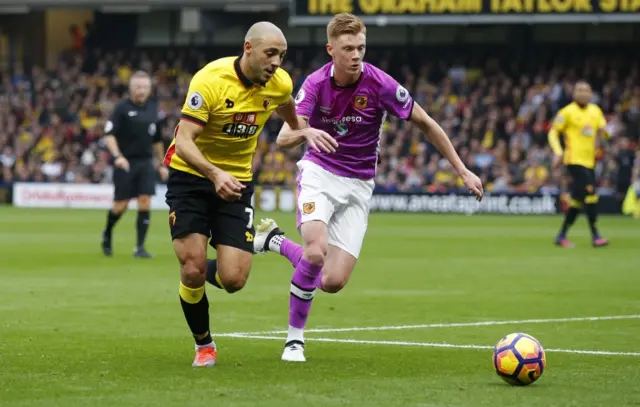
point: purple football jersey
(353, 115)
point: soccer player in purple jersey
(348, 99)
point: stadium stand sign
(124, 5)
(276, 199)
(402, 12)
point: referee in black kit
(133, 138)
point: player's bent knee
(333, 284)
(234, 281)
(315, 254)
(234, 266)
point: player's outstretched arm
(296, 131)
(226, 185)
(288, 113)
(436, 136)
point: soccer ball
(519, 359)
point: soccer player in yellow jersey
(581, 122)
(210, 179)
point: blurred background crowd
(496, 109)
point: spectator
(51, 121)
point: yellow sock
(191, 295)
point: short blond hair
(345, 23)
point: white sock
(275, 243)
(212, 343)
(295, 334)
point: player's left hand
(473, 184)
(319, 140)
(557, 161)
(164, 173)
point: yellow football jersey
(232, 111)
(580, 127)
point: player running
(350, 100)
(210, 179)
(581, 122)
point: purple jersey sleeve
(396, 99)
(306, 98)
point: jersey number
(250, 212)
(239, 129)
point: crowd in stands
(497, 116)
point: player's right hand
(473, 184)
(227, 186)
(557, 161)
(121, 163)
(319, 140)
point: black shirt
(135, 128)
(625, 161)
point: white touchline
(427, 344)
(448, 325)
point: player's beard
(259, 75)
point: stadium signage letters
(375, 7)
(467, 11)
(466, 204)
(277, 199)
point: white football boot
(294, 352)
(264, 240)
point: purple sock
(302, 292)
(292, 251)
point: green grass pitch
(429, 298)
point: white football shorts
(342, 203)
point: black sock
(592, 215)
(112, 219)
(212, 274)
(196, 313)
(142, 227)
(570, 217)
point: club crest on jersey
(308, 207)
(266, 103)
(360, 102)
(588, 131)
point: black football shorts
(583, 182)
(139, 180)
(195, 207)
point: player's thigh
(345, 237)
(579, 182)
(189, 200)
(145, 182)
(232, 234)
(590, 175)
(349, 225)
(123, 188)
(314, 201)
(348, 228)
